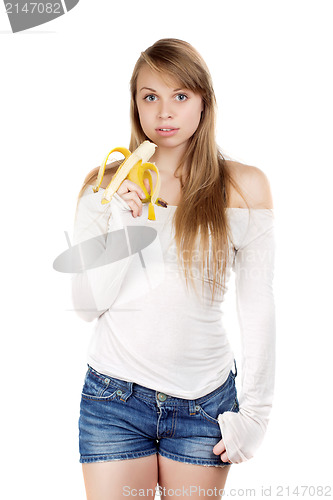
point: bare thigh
(119, 479)
(188, 479)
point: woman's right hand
(132, 193)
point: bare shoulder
(254, 185)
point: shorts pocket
(224, 400)
(235, 407)
(210, 413)
(98, 387)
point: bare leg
(114, 480)
(188, 478)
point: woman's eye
(182, 97)
(150, 98)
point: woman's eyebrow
(148, 88)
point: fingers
(220, 449)
(225, 458)
(132, 194)
(127, 186)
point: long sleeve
(95, 289)
(243, 432)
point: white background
(64, 105)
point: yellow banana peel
(135, 167)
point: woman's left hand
(219, 449)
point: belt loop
(191, 405)
(235, 367)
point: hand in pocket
(219, 449)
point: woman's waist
(176, 343)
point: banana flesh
(136, 168)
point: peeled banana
(136, 168)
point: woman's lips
(167, 131)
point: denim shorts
(121, 420)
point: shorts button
(197, 408)
(119, 392)
(161, 396)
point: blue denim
(121, 420)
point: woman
(159, 404)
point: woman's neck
(167, 160)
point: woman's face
(169, 115)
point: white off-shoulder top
(153, 330)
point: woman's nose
(164, 111)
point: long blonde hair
(206, 182)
